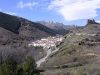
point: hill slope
(17, 24)
(79, 53)
(16, 33)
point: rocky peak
(91, 21)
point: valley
(49, 50)
(49, 45)
(49, 37)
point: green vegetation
(8, 67)
(67, 49)
(11, 67)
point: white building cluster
(47, 42)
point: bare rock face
(57, 27)
(91, 21)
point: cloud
(98, 21)
(29, 5)
(75, 9)
(8, 12)
(11, 13)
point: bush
(29, 66)
(10, 67)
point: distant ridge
(58, 27)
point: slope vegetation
(79, 53)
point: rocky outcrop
(57, 27)
(91, 21)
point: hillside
(18, 24)
(16, 33)
(79, 53)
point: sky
(69, 12)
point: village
(47, 42)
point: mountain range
(58, 27)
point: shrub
(10, 67)
(29, 66)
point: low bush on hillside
(11, 67)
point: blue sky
(69, 12)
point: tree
(11, 67)
(8, 67)
(29, 67)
